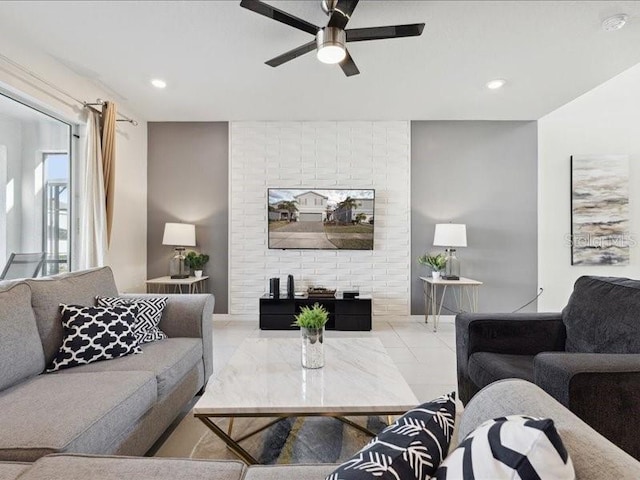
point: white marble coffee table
(264, 378)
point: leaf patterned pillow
(410, 448)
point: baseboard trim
(444, 319)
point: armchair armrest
(602, 389)
(189, 316)
(560, 373)
(511, 333)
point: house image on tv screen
(360, 210)
(312, 207)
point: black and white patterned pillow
(516, 446)
(150, 311)
(412, 447)
(92, 334)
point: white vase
(197, 273)
(435, 275)
(312, 347)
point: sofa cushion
(411, 447)
(21, 354)
(149, 315)
(486, 368)
(81, 413)
(77, 288)
(169, 360)
(83, 467)
(92, 334)
(508, 448)
(11, 470)
(602, 316)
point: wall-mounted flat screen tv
(321, 219)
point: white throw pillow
(510, 448)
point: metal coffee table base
(240, 452)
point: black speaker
(274, 287)
(290, 288)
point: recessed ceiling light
(156, 82)
(496, 84)
(615, 22)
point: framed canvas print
(600, 210)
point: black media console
(344, 313)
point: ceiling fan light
(330, 43)
(331, 54)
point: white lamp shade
(450, 235)
(179, 234)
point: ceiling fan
(330, 41)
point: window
(55, 238)
(35, 185)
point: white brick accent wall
(320, 155)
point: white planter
(435, 275)
(197, 273)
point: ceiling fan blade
(342, 13)
(279, 16)
(291, 54)
(381, 33)
(349, 66)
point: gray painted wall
(483, 174)
(188, 171)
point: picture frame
(600, 210)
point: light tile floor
(426, 360)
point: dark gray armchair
(587, 357)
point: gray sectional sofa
(120, 406)
(593, 456)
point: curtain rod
(123, 118)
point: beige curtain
(109, 160)
(93, 241)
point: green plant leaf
(436, 261)
(312, 317)
(197, 261)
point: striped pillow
(513, 447)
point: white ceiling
(212, 53)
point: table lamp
(451, 235)
(179, 235)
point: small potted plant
(311, 321)
(196, 261)
(436, 262)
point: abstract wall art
(600, 210)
